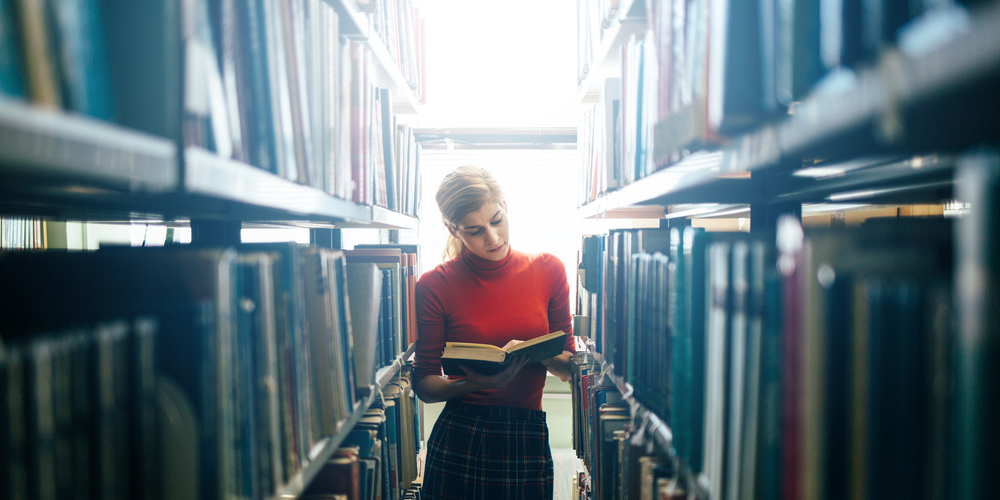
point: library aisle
(778, 221)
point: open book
(490, 359)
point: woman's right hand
(478, 381)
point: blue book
(82, 57)
(11, 76)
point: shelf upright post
(977, 296)
(215, 232)
(324, 237)
(764, 216)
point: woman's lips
(497, 249)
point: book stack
(254, 352)
(703, 72)
(79, 412)
(275, 84)
(20, 233)
(608, 438)
(378, 457)
(399, 26)
(54, 55)
(817, 361)
(397, 326)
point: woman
(491, 440)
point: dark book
(735, 94)
(339, 476)
(489, 359)
(13, 434)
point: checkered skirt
(478, 452)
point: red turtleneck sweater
(470, 299)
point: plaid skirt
(478, 452)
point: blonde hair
(464, 190)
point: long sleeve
(431, 329)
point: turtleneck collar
(477, 263)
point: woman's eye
(496, 222)
(478, 232)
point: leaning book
(490, 359)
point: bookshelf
(38, 145)
(324, 450)
(886, 112)
(161, 157)
(907, 124)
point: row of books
(21, 232)
(609, 439)
(378, 459)
(393, 299)
(255, 346)
(704, 71)
(78, 413)
(271, 83)
(274, 84)
(53, 53)
(820, 363)
(399, 26)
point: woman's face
(484, 232)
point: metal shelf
(695, 179)
(325, 449)
(257, 195)
(661, 434)
(906, 107)
(41, 146)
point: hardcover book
(490, 359)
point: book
(11, 72)
(364, 288)
(490, 359)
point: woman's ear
(451, 229)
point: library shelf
(887, 106)
(608, 56)
(323, 450)
(689, 181)
(257, 195)
(41, 146)
(939, 99)
(650, 424)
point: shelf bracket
(215, 232)
(764, 216)
(326, 238)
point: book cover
(41, 69)
(489, 359)
(13, 435)
(78, 39)
(387, 132)
(364, 286)
(11, 64)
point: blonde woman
(491, 440)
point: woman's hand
(478, 381)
